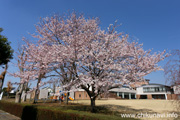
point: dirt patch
(138, 106)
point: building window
(157, 89)
(79, 95)
(154, 89)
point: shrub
(15, 109)
(30, 112)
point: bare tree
(172, 73)
(172, 68)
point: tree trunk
(0, 87)
(93, 105)
(2, 77)
(18, 94)
(37, 89)
(18, 97)
(67, 97)
(36, 95)
(25, 90)
(24, 100)
(7, 95)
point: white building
(124, 92)
(153, 91)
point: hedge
(30, 112)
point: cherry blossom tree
(39, 59)
(21, 62)
(95, 60)
(68, 34)
(100, 59)
(35, 64)
(110, 61)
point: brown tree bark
(37, 88)
(93, 110)
(36, 92)
(25, 89)
(19, 93)
(21, 62)
(2, 77)
(67, 98)
(92, 96)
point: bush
(30, 112)
(39, 112)
(15, 109)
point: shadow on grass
(116, 110)
(29, 113)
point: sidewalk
(6, 116)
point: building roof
(154, 85)
(127, 90)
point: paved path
(6, 116)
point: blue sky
(155, 23)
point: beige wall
(137, 96)
(81, 95)
(149, 96)
(112, 95)
(172, 96)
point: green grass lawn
(102, 112)
(107, 109)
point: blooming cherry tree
(111, 61)
(97, 60)
(36, 63)
(100, 59)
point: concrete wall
(71, 94)
(139, 90)
(43, 94)
(176, 89)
